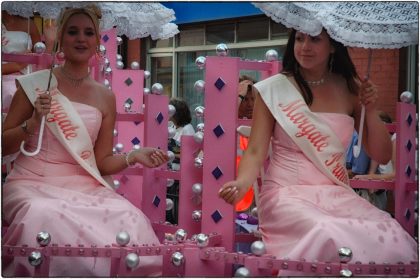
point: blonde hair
(92, 11)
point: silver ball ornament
(177, 259)
(43, 238)
(146, 91)
(346, 273)
(115, 132)
(258, 248)
(119, 147)
(197, 188)
(199, 111)
(345, 254)
(222, 50)
(119, 57)
(202, 240)
(170, 182)
(198, 137)
(106, 83)
(136, 147)
(119, 40)
(35, 258)
(407, 97)
(108, 71)
(198, 162)
(169, 204)
(242, 272)
(114, 151)
(199, 86)
(132, 260)
(135, 65)
(181, 235)
(146, 74)
(157, 89)
(200, 127)
(39, 47)
(106, 63)
(171, 155)
(171, 132)
(116, 184)
(200, 62)
(271, 55)
(171, 110)
(196, 215)
(102, 50)
(122, 238)
(119, 65)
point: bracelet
(24, 127)
(241, 97)
(127, 159)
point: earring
(331, 62)
(60, 56)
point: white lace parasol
(24, 9)
(133, 19)
(356, 24)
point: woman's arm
(383, 176)
(375, 135)
(22, 110)
(107, 162)
(255, 154)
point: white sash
(64, 122)
(313, 136)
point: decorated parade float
(205, 241)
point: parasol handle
(41, 127)
(358, 147)
(38, 148)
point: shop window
(162, 43)
(278, 30)
(252, 30)
(191, 37)
(162, 73)
(220, 33)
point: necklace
(76, 82)
(315, 82)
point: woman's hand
(232, 192)
(150, 157)
(243, 87)
(42, 107)
(368, 95)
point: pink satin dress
(51, 192)
(303, 215)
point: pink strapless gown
(304, 215)
(51, 192)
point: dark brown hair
(182, 115)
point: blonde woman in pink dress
(307, 209)
(62, 189)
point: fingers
(158, 157)
(43, 104)
(229, 193)
(368, 93)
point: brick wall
(384, 73)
